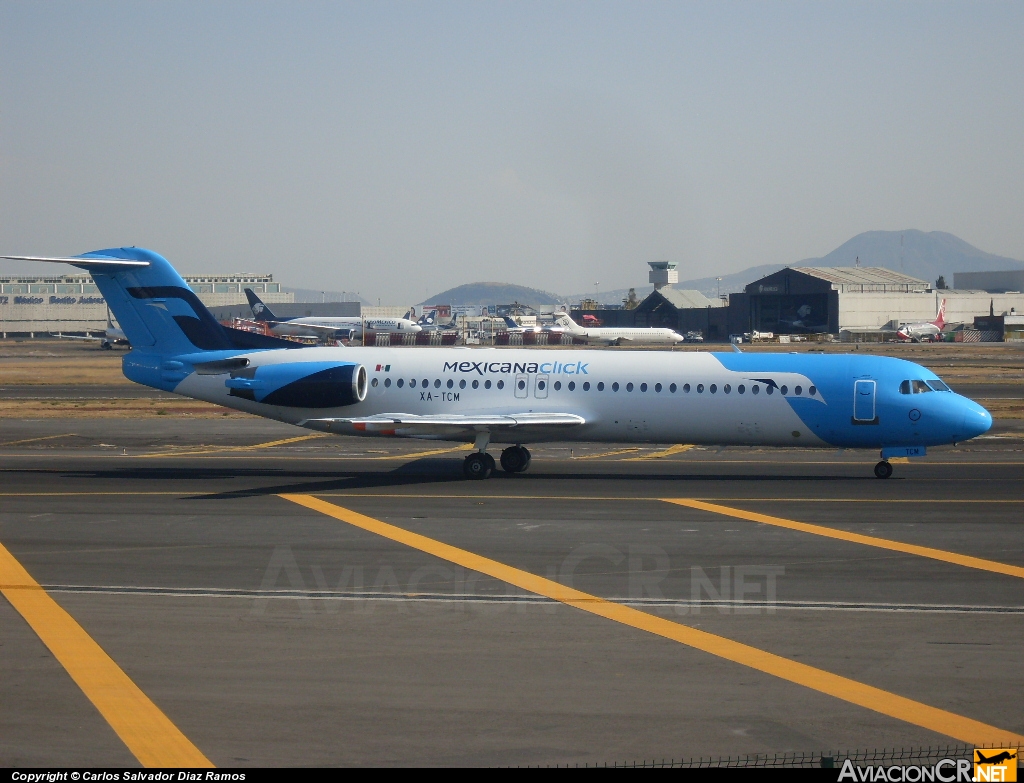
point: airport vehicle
(519, 396)
(326, 326)
(613, 335)
(929, 332)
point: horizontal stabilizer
(86, 262)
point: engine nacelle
(301, 384)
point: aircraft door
(864, 402)
(522, 387)
(540, 387)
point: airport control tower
(662, 273)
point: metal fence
(862, 758)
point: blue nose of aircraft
(977, 420)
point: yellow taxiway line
(610, 453)
(679, 448)
(418, 454)
(226, 449)
(141, 725)
(33, 440)
(881, 701)
(856, 538)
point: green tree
(940, 284)
(630, 302)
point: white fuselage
(611, 334)
(312, 326)
(640, 397)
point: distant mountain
(492, 294)
(924, 255)
(310, 295)
(921, 254)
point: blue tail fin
(156, 310)
(259, 310)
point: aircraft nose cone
(977, 421)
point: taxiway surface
(270, 631)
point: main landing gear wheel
(478, 466)
(883, 469)
(515, 459)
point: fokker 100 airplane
(521, 396)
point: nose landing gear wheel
(883, 470)
(478, 466)
(515, 459)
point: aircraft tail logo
(940, 319)
(259, 310)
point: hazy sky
(397, 149)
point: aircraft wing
(444, 425)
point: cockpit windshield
(922, 387)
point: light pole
(597, 292)
(719, 280)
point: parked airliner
(925, 331)
(326, 326)
(612, 335)
(521, 396)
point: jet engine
(301, 384)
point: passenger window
(798, 390)
(629, 386)
(755, 389)
(700, 388)
(657, 388)
(600, 386)
(938, 385)
(615, 386)
(522, 385)
(727, 388)
(686, 388)
(476, 384)
(487, 384)
(462, 384)
(387, 383)
(572, 386)
(643, 387)
(425, 383)
(500, 384)
(741, 388)
(401, 382)
(450, 383)
(437, 383)
(784, 389)
(769, 390)
(586, 386)
(712, 388)
(374, 383)
(558, 385)
(672, 388)
(540, 385)
(811, 390)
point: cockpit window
(919, 387)
(938, 385)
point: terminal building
(32, 306)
